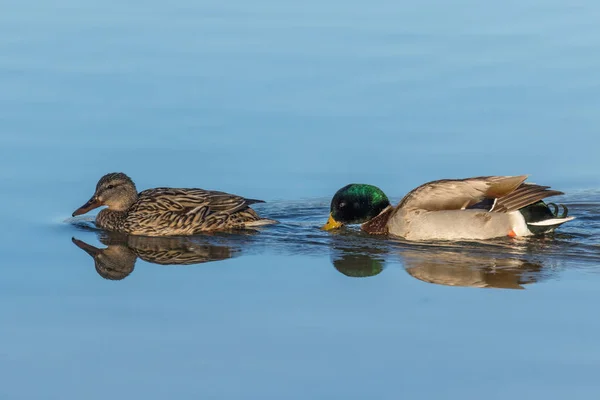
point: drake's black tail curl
(544, 217)
(556, 207)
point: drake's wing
(457, 194)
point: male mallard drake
(451, 209)
(167, 211)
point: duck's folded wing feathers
(188, 200)
(457, 194)
(525, 195)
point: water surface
(287, 103)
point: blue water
(287, 102)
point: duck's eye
(110, 187)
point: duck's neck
(111, 220)
(378, 225)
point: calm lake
(287, 102)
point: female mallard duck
(451, 209)
(167, 211)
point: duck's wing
(523, 196)
(494, 193)
(190, 201)
(186, 210)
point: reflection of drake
(358, 262)
(456, 269)
(117, 261)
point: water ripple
(503, 262)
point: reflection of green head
(358, 265)
(358, 203)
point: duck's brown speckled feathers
(170, 211)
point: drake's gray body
(474, 209)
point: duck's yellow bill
(331, 224)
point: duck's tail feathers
(253, 201)
(544, 218)
(551, 223)
(260, 222)
(547, 225)
(523, 196)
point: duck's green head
(355, 204)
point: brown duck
(168, 211)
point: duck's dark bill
(331, 224)
(90, 205)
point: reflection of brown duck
(456, 269)
(117, 261)
(114, 262)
